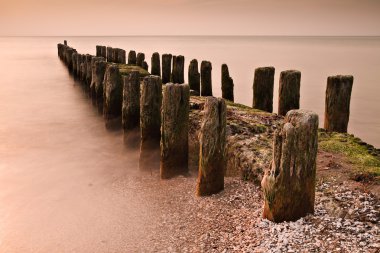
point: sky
(189, 17)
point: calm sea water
(58, 164)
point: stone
(212, 160)
(131, 108)
(289, 184)
(166, 68)
(178, 69)
(156, 66)
(150, 122)
(194, 76)
(140, 59)
(112, 96)
(132, 57)
(174, 130)
(206, 80)
(227, 84)
(337, 104)
(263, 89)
(289, 91)
(109, 54)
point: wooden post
(88, 72)
(131, 108)
(194, 77)
(206, 83)
(74, 62)
(227, 84)
(156, 66)
(109, 54)
(178, 69)
(99, 71)
(150, 122)
(212, 160)
(140, 59)
(289, 184)
(121, 55)
(98, 51)
(94, 76)
(337, 105)
(166, 68)
(145, 65)
(289, 91)
(175, 130)
(112, 98)
(65, 42)
(132, 58)
(263, 89)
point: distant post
(206, 83)
(227, 84)
(145, 65)
(121, 55)
(178, 69)
(337, 105)
(289, 91)
(166, 68)
(109, 54)
(98, 73)
(132, 58)
(156, 66)
(194, 76)
(140, 59)
(113, 95)
(212, 160)
(94, 76)
(263, 89)
(175, 130)
(88, 72)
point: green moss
(125, 69)
(356, 151)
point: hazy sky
(190, 17)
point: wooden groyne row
(156, 106)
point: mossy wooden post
(263, 89)
(337, 105)
(145, 65)
(132, 57)
(289, 91)
(99, 71)
(206, 81)
(150, 122)
(227, 84)
(178, 69)
(131, 108)
(166, 68)
(175, 130)
(109, 54)
(94, 76)
(140, 59)
(289, 184)
(194, 76)
(212, 160)
(156, 66)
(112, 98)
(88, 71)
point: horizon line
(135, 35)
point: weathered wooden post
(289, 184)
(156, 66)
(175, 130)
(212, 161)
(113, 95)
(94, 76)
(109, 54)
(131, 108)
(166, 68)
(178, 69)
(98, 72)
(74, 61)
(227, 84)
(194, 76)
(65, 42)
(88, 71)
(150, 122)
(121, 56)
(83, 68)
(132, 57)
(69, 54)
(206, 83)
(140, 59)
(289, 91)
(263, 89)
(60, 50)
(98, 51)
(145, 65)
(115, 52)
(337, 105)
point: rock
(227, 84)
(337, 105)
(206, 83)
(289, 91)
(156, 66)
(174, 130)
(178, 69)
(194, 76)
(132, 57)
(140, 59)
(166, 67)
(289, 184)
(113, 95)
(131, 108)
(150, 122)
(263, 89)
(212, 147)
